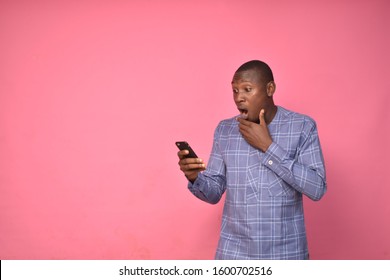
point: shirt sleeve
(306, 171)
(211, 183)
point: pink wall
(94, 95)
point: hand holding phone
(182, 145)
(189, 163)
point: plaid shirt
(263, 212)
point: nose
(239, 97)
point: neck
(270, 113)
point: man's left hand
(255, 134)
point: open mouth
(243, 113)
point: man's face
(250, 95)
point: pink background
(93, 95)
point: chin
(252, 119)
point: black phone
(182, 145)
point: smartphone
(182, 145)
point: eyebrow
(242, 81)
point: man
(265, 159)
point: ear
(271, 87)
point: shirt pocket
(277, 187)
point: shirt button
(270, 162)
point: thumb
(261, 117)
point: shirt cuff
(196, 185)
(274, 156)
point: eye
(235, 90)
(248, 89)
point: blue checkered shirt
(263, 212)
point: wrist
(267, 146)
(192, 178)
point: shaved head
(263, 71)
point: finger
(243, 121)
(192, 174)
(192, 167)
(244, 134)
(185, 161)
(261, 117)
(192, 160)
(245, 127)
(182, 153)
